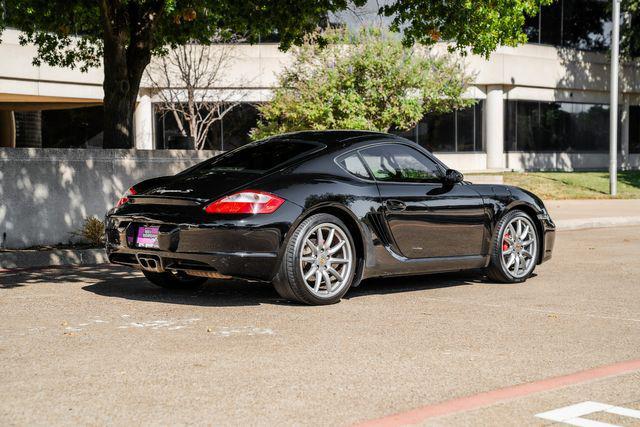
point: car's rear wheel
(319, 262)
(514, 248)
(174, 280)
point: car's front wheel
(174, 280)
(514, 248)
(319, 262)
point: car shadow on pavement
(225, 293)
(402, 284)
(215, 293)
(118, 282)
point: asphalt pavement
(100, 345)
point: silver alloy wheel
(326, 260)
(519, 247)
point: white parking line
(572, 414)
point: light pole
(613, 100)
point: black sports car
(317, 212)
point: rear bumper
(247, 247)
(548, 236)
(248, 265)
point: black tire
(496, 271)
(174, 281)
(289, 282)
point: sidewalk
(579, 214)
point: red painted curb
(468, 403)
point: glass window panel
(436, 132)
(479, 108)
(527, 131)
(634, 129)
(510, 141)
(168, 133)
(399, 163)
(551, 24)
(65, 128)
(354, 166)
(467, 124)
(257, 157)
(556, 126)
(586, 24)
(532, 28)
(594, 120)
(237, 124)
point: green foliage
(71, 33)
(482, 25)
(367, 81)
(92, 231)
(630, 28)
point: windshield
(257, 157)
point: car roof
(332, 136)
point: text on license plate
(147, 237)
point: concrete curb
(56, 257)
(583, 223)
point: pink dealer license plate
(147, 237)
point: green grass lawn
(575, 185)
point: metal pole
(613, 102)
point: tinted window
(354, 166)
(458, 130)
(399, 163)
(634, 129)
(258, 157)
(581, 24)
(556, 126)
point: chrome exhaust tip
(150, 263)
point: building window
(556, 126)
(579, 24)
(634, 129)
(60, 128)
(456, 131)
(226, 134)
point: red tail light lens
(246, 202)
(125, 199)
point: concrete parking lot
(102, 346)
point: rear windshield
(258, 157)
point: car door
(427, 216)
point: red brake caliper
(505, 244)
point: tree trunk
(123, 69)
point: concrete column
(494, 129)
(7, 129)
(624, 134)
(143, 123)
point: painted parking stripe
(488, 398)
(573, 414)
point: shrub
(92, 231)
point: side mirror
(452, 176)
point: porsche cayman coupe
(315, 213)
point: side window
(354, 166)
(399, 163)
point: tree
(367, 81)
(630, 28)
(183, 79)
(124, 34)
(481, 25)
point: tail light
(246, 202)
(125, 198)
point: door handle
(395, 205)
